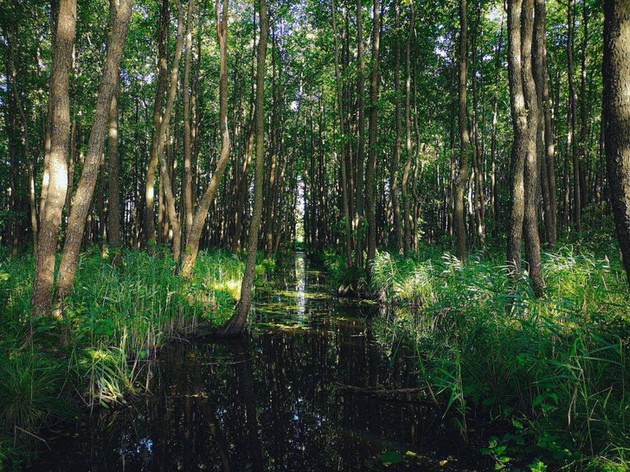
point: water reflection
(277, 401)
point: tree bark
(55, 195)
(616, 71)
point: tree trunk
(83, 196)
(236, 324)
(572, 145)
(55, 196)
(192, 242)
(163, 157)
(373, 143)
(398, 242)
(162, 82)
(616, 70)
(188, 194)
(114, 232)
(359, 187)
(464, 138)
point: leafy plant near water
(114, 321)
(551, 373)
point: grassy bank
(549, 375)
(113, 323)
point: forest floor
(550, 374)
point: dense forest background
(318, 110)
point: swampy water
(279, 400)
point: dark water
(274, 401)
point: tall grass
(550, 373)
(115, 320)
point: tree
(199, 218)
(373, 136)
(616, 70)
(57, 170)
(83, 197)
(525, 115)
(464, 137)
(236, 323)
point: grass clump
(550, 373)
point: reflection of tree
(246, 395)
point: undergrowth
(116, 319)
(550, 374)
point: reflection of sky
(300, 283)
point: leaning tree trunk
(192, 240)
(83, 197)
(236, 324)
(616, 70)
(464, 138)
(57, 179)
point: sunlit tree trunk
(83, 197)
(55, 196)
(616, 70)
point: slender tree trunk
(616, 71)
(150, 235)
(572, 145)
(55, 196)
(549, 173)
(236, 324)
(359, 187)
(408, 142)
(162, 152)
(188, 194)
(113, 162)
(464, 138)
(398, 238)
(343, 162)
(373, 143)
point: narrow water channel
(279, 400)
